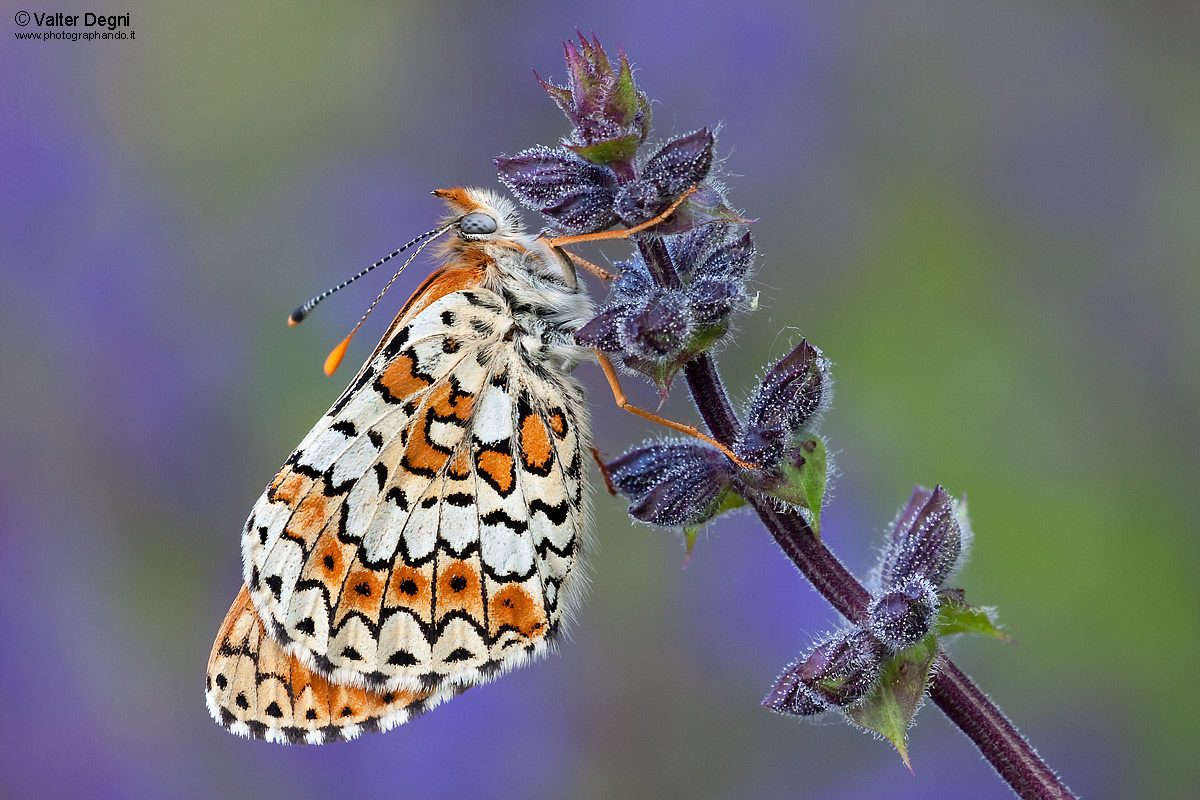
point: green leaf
(956, 616)
(890, 707)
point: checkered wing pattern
(425, 534)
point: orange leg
(623, 233)
(608, 484)
(610, 373)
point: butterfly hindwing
(256, 689)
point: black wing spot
(222, 681)
(461, 654)
(345, 427)
(402, 658)
(274, 710)
(362, 589)
(351, 653)
(397, 496)
(242, 702)
(307, 626)
(275, 584)
(381, 475)
(310, 714)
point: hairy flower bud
(576, 194)
(681, 163)
(662, 328)
(718, 251)
(640, 201)
(927, 540)
(786, 404)
(672, 483)
(903, 616)
(838, 672)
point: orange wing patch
(513, 608)
(535, 442)
(401, 379)
(411, 588)
(496, 466)
(459, 589)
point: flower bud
(717, 251)
(786, 404)
(672, 483)
(640, 201)
(927, 540)
(577, 195)
(903, 616)
(681, 163)
(838, 672)
(609, 116)
(662, 328)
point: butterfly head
(477, 215)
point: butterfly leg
(599, 272)
(610, 373)
(608, 484)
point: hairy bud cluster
(655, 330)
(925, 544)
(576, 194)
(837, 672)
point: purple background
(986, 214)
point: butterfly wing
(426, 532)
(255, 688)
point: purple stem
(953, 692)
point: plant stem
(951, 690)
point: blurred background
(985, 214)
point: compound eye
(477, 222)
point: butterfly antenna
(297, 316)
(335, 357)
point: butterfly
(428, 533)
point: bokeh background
(988, 215)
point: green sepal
(889, 708)
(957, 616)
(663, 372)
(629, 101)
(728, 499)
(608, 152)
(800, 480)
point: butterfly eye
(477, 222)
